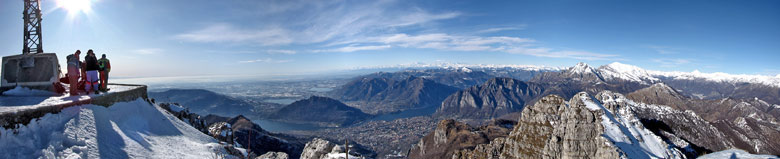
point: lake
(276, 126)
(284, 101)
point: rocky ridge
(583, 127)
(494, 98)
(385, 95)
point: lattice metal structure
(32, 27)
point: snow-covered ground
(627, 133)
(735, 153)
(22, 91)
(19, 98)
(134, 129)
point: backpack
(72, 61)
(102, 64)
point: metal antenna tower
(32, 27)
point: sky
(152, 38)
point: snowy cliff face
(135, 129)
(581, 127)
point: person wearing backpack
(74, 70)
(105, 67)
(91, 68)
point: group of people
(86, 73)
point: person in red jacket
(105, 67)
(74, 65)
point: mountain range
(202, 101)
(321, 111)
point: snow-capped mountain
(627, 72)
(448, 65)
(617, 70)
(720, 77)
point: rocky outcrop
(317, 148)
(273, 155)
(494, 98)
(583, 127)
(322, 111)
(451, 136)
(386, 95)
(259, 141)
(322, 149)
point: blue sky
(147, 38)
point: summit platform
(19, 106)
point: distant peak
(581, 64)
(627, 72)
(622, 65)
(581, 68)
(465, 69)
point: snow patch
(24, 91)
(465, 69)
(735, 153)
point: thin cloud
(499, 29)
(265, 60)
(547, 52)
(506, 44)
(671, 62)
(354, 48)
(227, 33)
(281, 51)
(318, 22)
(663, 49)
(148, 51)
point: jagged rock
(273, 155)
(580, 128)
(316, 149)
(221, 131)
(450, 136)
(322, 149)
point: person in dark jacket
(91, 68)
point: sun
(75, 6)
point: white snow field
(735, 153)
(133, 129)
